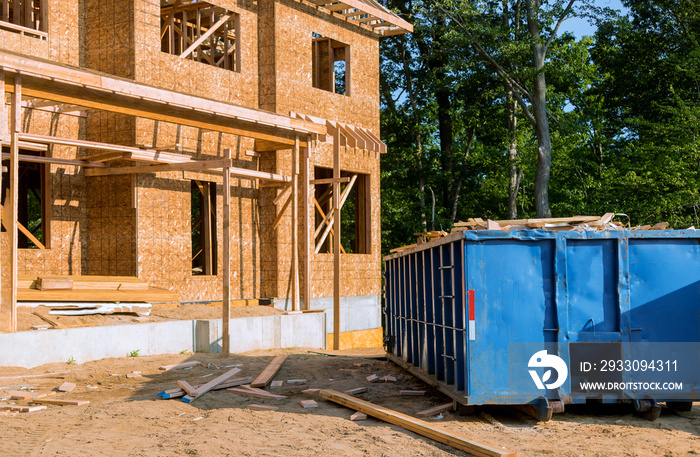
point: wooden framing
(48, 80)
(226, 301)
(15, 129)
(336, 241)
(368, 13)
(306, 222)
(203, 32)
(295, 226)
(26, 16)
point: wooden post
(295, 224)
(15, 129)
(226, 304)
(306, 224)
(4, 136)
(336, 239)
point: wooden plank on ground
(61, 402)
(442, 435)
(268, 373)
(435, 410)
(179, 366)
(19, 395)
(179, 393)
(255, 393)
(45, 319)
(358, 416)
(262, 408)
(308, 404)
(210, 385)
(38, 396)
(66, 387)
(187, 387)
(24, 409)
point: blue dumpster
(485, 316)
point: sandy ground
(159, 313)
(125, 417)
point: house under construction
(215, 150)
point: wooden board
(442, 435)
(435, 410)
(66, 387)
(54, 283)
(187, 387)
(262, 408)
(179, 393)
(24, 409)
(62, 402)
(210, 385)
(256, 394)
(179, 366)
(308, 404)
(153, 294)
(268, 373)
(85, 282)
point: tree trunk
(417, 136)
(539, 108)
(514, 184)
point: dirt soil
(159, 313)
(126, 418)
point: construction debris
(24, 409)
(358, 416)
(310, 391)
(276, 383)
(255, 392)
(179, 366)
(210, 385)
(388, 378)
(62, 402)
(372, 378)
(412, 392)
(309, 404)
(436, 410)
(296, 381)
(269, 372)
(179, 392)
(426, 429)
(358, 391)
(262, 408)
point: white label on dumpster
(472, 316)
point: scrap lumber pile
(119, 290)
(37, 400)
(575, 223)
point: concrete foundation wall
(34, 348)
(356, 313)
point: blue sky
(580, 27)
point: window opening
(33, 204)
(203, 219)
(354, 214)
(201, 31)
(330, 65)
(24, 16)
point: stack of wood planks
(75, 288)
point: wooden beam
(330, 221)
(306, 223)
(295, 225)
(21, 228)
(281, 194)
(279, 216)
(434, 432)
(226, 303)
(4, 136)
(194, 165)
(329, 180)
(269, 372)
(51, 81)
(54, 160)
(336, 241)
(224, 19)
(13, 201)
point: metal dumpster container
(471, 313)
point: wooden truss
(366, 13)
(201, 31)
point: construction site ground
(159, 313)
(125, 417)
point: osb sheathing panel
(294, 25)
(109, 36)
(188, 76)
(63, 43)
(67, 253)
(164, 217)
